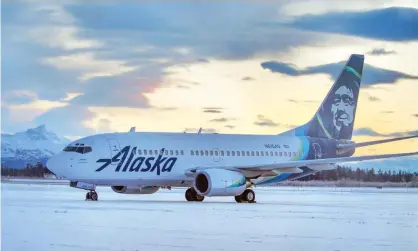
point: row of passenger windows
(219, 153)
(242, 153)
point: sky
(245, 67)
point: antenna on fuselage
(132, 129)
(200, 130)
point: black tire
(94, 196)
(199, 197)
(249, 195)
(188, 195)
(88, 196)
(238, 199)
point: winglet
(200, 130)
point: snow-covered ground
(39, 217)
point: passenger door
(114, 148)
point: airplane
(210, 164)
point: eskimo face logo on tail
(139, 164)
(342, 108)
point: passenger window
(139, 152)
(216, 153)
(197, 152)
(275, 153)
(156, 152)
(181, 152)
(233, 153)
(262, 153)
(285, 154)
(171, 152)
(206, 152)
(243, 153)
(191, 152)
(227, 153)
(252, 153)
(248, 153)
(238, 153)
(177, 152)
(166, 152)
(211, 153)
(257, 153)
(222, 153)
(162, 152)
(280, 153)
(201, 153)
(294, 154)
(150, 152)
(271, 153)
(145, 152)
(290, 154)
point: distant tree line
(346, 173)
(37, 170)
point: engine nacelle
(219, 182)
(135, 189)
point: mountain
(31, 146)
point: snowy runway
(40, 217)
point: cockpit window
(80, 148)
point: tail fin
(335, 117)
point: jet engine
(219, 182)
(135, 189)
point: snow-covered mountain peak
(31, 145)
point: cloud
(222, 120)
(373, 99)
(380, 51)
(67, 120)
(391, 24)
(415, 115)
(248, 78)
(387, 112)
(126, 91)
(303, 101)
(365, 131)
(88, 65)
(371, 75)
(263, 121)
(103, 126)
(212, 110)
(230, 126)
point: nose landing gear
(92, 195)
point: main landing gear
(192, 195)
(247, 196)
(92, 195)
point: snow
(33, 144)
(56, 217)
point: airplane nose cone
(56, 166)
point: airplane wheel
(199, 197)
(94, 196)
(249, 196)
(88, 196)
(189, 195)
(238, 199)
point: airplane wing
(293, 166)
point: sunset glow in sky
(244, 67)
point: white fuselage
(131, 158)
